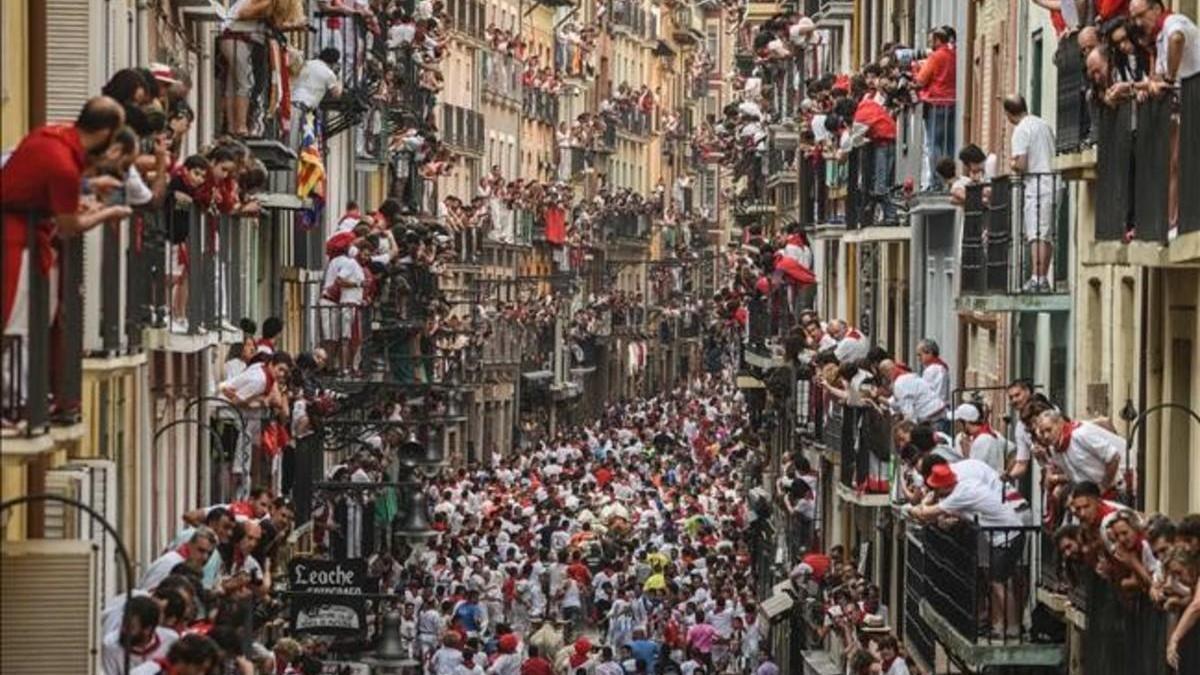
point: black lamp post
(391, 658)
(1130, 414)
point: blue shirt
(468, 615)
(645, 651)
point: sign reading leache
(327, 596)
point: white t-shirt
(1089, 451)
(316, 79)
(113, 655)
(991, 450)
(938, 378)
(346, 268)
(1189, 65)
(159, 570)
(915, 400)
(1034, 139)
(250, 383)
(972, 499)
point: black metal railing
(501, 75)
(194, 268)
(468, 17)
(917, 633)
(629, 16)
(633, 121)
(1015, 238)
(687, 24)
(1189, 155)
(1072, 122)
(1128, 634)
(985, 576)
(1133, 171)
(627, 225)
(541, 106)
(810, 409)
(462, 128)
(42, 367)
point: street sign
(326, 597)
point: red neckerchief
(1158, 25)
(270, 378)
(265, 342)
(166, 666)
(1068, 430)
(937, 361)
(853, 334)
(184, 550)
(899, 370)
(985, 428)
(148, 649)
(887, 665)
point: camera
(907, 56)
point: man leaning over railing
(954, 499)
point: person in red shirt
(935, 81)
(42, 180)
(881, 132)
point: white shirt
(1091, 448)
(915, 400)
(1033, 138)
(159, 570)
(938, 378)
(1024, 442)
(991, 450)
(316, 79)
(346, 268)
(250, 383)
(1189, 64)
(113, 655)
(972, 499)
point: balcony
(1133, 171)
(959, 572)
(468, 17)
(462, 129)
(501, 78)
(42, 365)
(540, 106)
(866, 445)
(631, 19)
(688, 25)
(633, 121)
(1072, 119)
(1015, 245)
(627, 226)
(781, 167)
(570, 59)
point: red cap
(941, 476)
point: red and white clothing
(253, 382)
(1085, 450)
(971, 499)
(852, 347)
(160, 569)
(990, 448)
(113, 654)
(913, 398)
(937, 374)
(896, 666)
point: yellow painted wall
(14, 71)
(12, 485)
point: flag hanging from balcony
(310, 172)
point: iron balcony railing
(192, 272)
(462, 128)
(627, 225)
(1134, 171)
(865, 450)
(1015, 236)
(501, 75)
(917, 634)
(981, 580)
(810, 409)
(633, 121)
(628, 16)
(43, 361)
(541, 106)
(468, 17)
(1072, 121)
(688, 24)
(1189, 155)
(1128, 633)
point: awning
(663, 49)
(776, 605)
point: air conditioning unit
(50, 613)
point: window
(1035, 74)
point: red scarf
(166, 666)
(1068, 430)
(155, 643)
(1158, 25)
(853, 334)
(270, 377)
(985, 428)
(937, 361)
(899, 369)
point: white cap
(967, 412)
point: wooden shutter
(49, 613)
(62, 520)
(70, 67)
(101, 478)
